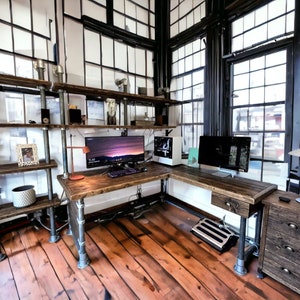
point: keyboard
(122, 172)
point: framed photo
(95, 109)
(27, 155)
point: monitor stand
(222, 173)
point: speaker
(45, 116)
(74, 116)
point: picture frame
(27, 155)
(95, 109)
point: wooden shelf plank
(103, 94)
(14, 168)
(8, 210)
(85, 126)
(24, 82)
(83, 90)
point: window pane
(120, 55)
(24, 68)
(5, 40)
(198, 92)
(274, 146)
(93, 76)
(275, 117)
(275, 93)
(257, 78)
(241, 81)
(276, 27)
(256, 118)
(7, 64)
(107, 47)
(240, 119)
(257, 95)
(40, 48)
(276, 74)
(241, 68)
(256, 145)
(198, 111)
(92, 46)
(240, 97)
(22, 42)
(276, 59)
(257, 63)
(21, 13)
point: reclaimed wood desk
(238, 195)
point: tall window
(187, 85)
(259, 93)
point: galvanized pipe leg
(239, 267)
(83, 258)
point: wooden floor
(152, 257)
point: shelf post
(40, 68)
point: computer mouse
(144, 169)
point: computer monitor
(114, 150)
(227, 152)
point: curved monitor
(114, 150)
(228, 152)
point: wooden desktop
(238, 195)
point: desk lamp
(85, 149)
(297, 154)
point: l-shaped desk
(238, 195)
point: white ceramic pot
(23, 195)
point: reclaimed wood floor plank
(192, 285)
(7, 282)
(26, 282)
(109, 276)
(63, 264)
(131, 272)
(164, 283)
(41, 265)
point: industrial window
(258, 107)
(135, 16)
(187, 85)
(271, 22)
(27, 30)
(108, 59)
(184, 14)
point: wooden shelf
(82, 90)
(8, 210)
(46, 126)
(14, 168)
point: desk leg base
(83, 261)
(239, 267)
(54, 238)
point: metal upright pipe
(58, 71)
(40, 68)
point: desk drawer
(283, 246)
(233, 205)
(281, 269)
(287, 227)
